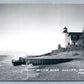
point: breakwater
(46, 61)
(40, 61)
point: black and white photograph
(42, 42)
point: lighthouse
(66, 37)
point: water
(21, 73)
(10, 72)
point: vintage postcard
(41, 42)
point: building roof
(75, 33)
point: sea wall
(46, 61)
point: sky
(37, 28)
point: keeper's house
(73, 38)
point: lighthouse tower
(66, 37)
